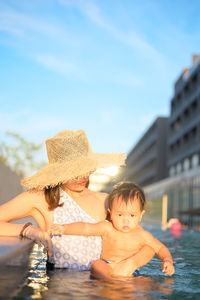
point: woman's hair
(127, 191)
(52, 196)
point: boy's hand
(56, 229)
(168, 268)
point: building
(147, 161)
(101, 177)
(184, 121)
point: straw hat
(69, 156)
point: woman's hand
(40, 237)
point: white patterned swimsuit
(70, 251)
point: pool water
(152, 284)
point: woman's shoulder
(102, 195)
(33, 195)
(99, 195)
(23, 204)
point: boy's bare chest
(123, 241)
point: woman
(58, 193)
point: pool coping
(12, 248)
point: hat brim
(58, 173)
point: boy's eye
(119, 215)
(132, 216)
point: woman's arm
(17, 208)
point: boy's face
(126, 217)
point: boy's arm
(150, 240)
(80, 228)
(164, 254)
(127, 266)
(162, 251)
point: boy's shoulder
(143, 232)
(105, 227)
(108, 226)
(105, 224)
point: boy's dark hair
(127, 191)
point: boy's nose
(126, 219)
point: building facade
(9, 184)
(147, 161)
(184, 121)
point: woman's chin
(78, 188)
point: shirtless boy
(122, 236)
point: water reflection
(135, 288)
(36, 281)
(64, 284)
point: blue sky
(105, 66)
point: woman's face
(78, 184)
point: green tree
(20, 155)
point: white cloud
(60, 65)
(57, 48)
(130, 38)
(29, 28)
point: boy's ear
(142, 213)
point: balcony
(184, 129)
(140, 149)
(186, 151)
(186, 102)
